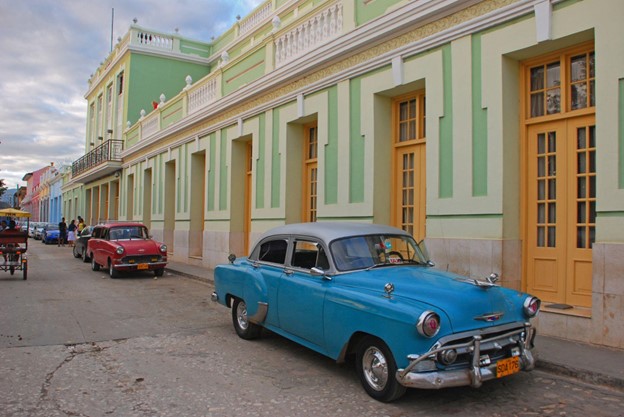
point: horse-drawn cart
(14, 244)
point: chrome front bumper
(150, 266)
(477, 372)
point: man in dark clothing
(62, 232)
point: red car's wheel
(94, 265)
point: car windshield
(52, 227)
(128, 232)
(360, 252)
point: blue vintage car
(369, 291)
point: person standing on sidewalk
(81, 225)
(62, 232)
(71, 232)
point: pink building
(31, 202)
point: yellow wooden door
(310, 173)
(408, 164)
(409, 179)
(561, 209)
(248, 185)
(582, 200)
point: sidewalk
(592, 364)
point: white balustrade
(201, 95)
(321, 28)
(153, 40)
(253, 20)
(150, 125)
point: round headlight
(119, 250)
(428, 324)
(163, 248)
(531, 306)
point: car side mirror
(319, 272)
(231, 258)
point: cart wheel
(12, 270)
(25, 269)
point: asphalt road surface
(74, 342)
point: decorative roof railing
(152, 39)
(251, 21)
(318, 30)
(202, 94)
(300, 32)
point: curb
(580, 374)
(205, 280)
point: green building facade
(491, 129)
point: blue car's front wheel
(377, 370)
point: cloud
(49, 49)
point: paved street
(74, 342)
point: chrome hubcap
(375, 368)
(241, 315)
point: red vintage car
(125, 246)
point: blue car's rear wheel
(377, 370)
(244, 328)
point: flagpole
(112, 23)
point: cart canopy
(11, 212)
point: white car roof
(329, 231)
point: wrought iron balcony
(109, 151)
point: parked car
(38, 230)
(50, 233)
(371, 292)
(124, 247)
(80, 244)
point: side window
(273, 251)
(308, 255)
(96, 233)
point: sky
(49, 49)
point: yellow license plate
(142, 266)
(507, 366)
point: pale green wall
(479, 125)
(445, 162)
(366, 11)
(356, 151)
(247, 70)
(331, 149)
(151, 76)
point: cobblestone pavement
(214, 373)
(144, 347)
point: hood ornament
(389, 289)
(490, 317)
(493, 278)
